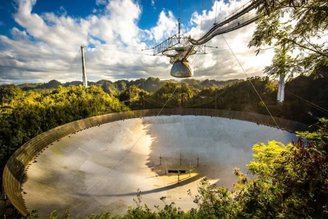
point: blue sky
(40, 39)
(150, 10)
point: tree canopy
(299, 26)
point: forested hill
(150, 84)
(305, 98)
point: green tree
(133, 97)
(299, 25)
(215, 202)
(174, 94)
(290, 181)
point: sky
(40, 40)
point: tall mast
(84, 72)
(179, 20)
(179, 27)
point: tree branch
(307, 48)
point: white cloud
(166, 26)
(47, 46)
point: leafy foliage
(173, 94)
(214, 202)
(133, 97)
(299, 26)
(290, 181)
(282, 64)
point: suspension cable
(309, 102)
(258, 94)
(167, 101)
(216, 30)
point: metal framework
(242, 17)
(178, 48)
(166, 44)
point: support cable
(167, 101)
(309, 102)
(215, 29)
(258, 94)
(220, 31)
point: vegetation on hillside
(305, 97)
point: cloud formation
(47, 46)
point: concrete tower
(84, 72)
(281, 89)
